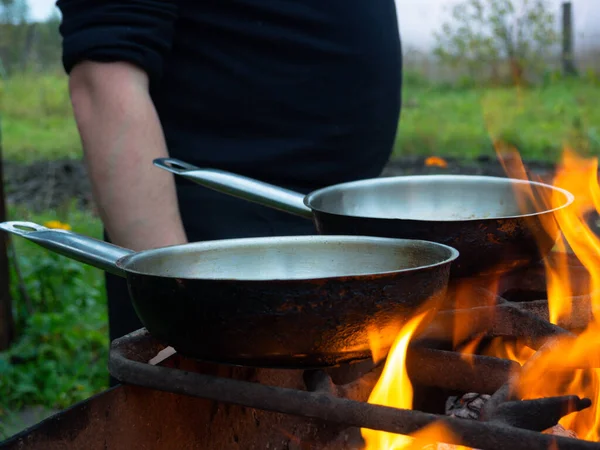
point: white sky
(419, 18)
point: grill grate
(504, 422)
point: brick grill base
(130, 417)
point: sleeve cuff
(135, 31)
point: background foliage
(61, 352)
(26, 45)
(505, 41)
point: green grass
(38, 124)
(36, 118)
(463, 123)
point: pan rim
(310, 198)
(453, 254)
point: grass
(436, 120)
(36, 118)
(538, 121)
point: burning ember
(436, 161)
(565, 365)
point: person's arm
(113, 50)
(121, 135)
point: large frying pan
(311, 301)
(495, 223)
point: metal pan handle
(239, 186)
(85, 249)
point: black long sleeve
(135, 31)
(301, 93)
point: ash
(469, 407)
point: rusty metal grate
(506, 423)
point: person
(298, 93)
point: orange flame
(395, 389)
(379, 340)
(467, 351)
(580, 177)
(466, 295)
(568, 367)
(513, 350)
(432, 437)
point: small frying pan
(495, 223)
(289, 302)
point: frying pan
(495, 223)
(296, 301)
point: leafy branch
(485, 36)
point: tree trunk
(6, 315)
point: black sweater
(303, 93)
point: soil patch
(45, 185)
(484, 165)
(16, 422)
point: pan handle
(85, 249)
(239, 186)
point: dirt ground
(46, 185)
(52, 184)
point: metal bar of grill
(476, 434)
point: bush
(505, 41)
(60, 355)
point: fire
(513, 350)
(431, 437)
(580, 177)
(468, 350)
(467, 295)
(378, 338)
(395, 389)
(558, 283)
(568, 367)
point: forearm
(121, 135)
